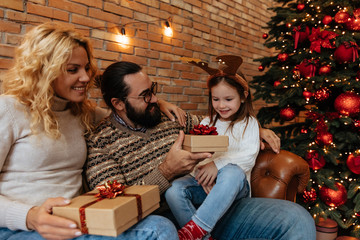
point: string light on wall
(168, 30)
(122, 38)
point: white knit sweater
(36, 167)
(244, 144)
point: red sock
(191, 231)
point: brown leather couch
(279, 175)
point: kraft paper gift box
(205, 143)
(110, 217)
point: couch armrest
(279, 175)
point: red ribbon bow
(203, 130)
(320, 39)
(111, 189)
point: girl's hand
(207, 188)
(207, 174)
(271, 138)
(39, 218)
(169, 108)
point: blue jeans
(231, 184)
(265, 218)
(151, 227)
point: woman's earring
(242, 101)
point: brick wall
(202, 29)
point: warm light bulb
(122, 39)
(168, 32)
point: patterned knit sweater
(131, 157)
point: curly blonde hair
(39, 60)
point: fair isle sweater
(131, 157)
(36, 167)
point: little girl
(199, 202)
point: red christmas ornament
(277, 83)
(287, 114)
(283, 57)
(353, 163)
(333, 198)
(288, 25)
(265, 36)
(315, 160)
(346, 52)
(300, 7)
(342, 17)
(324, 70)
(307, 68)
(307, 95)
(324, 138)
(347, 103)
(261, 68)
(322, 94)
(353, 24)
(309, 196)
(327, 19)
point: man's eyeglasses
(147, 94)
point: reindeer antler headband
(231, 62)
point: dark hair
(246, 109)
(112, 83)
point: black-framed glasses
(147, 94)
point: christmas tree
(312, 89)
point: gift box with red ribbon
(205, 139)
(111, 209)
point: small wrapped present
(111, 209)
(205, 139)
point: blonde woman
(44, 113)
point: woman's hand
(271, 138)
(39, 218)
(206, 176)
(169, 108)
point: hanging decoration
(347, 103)
(324, 70)
(353, 162)
(287, 114)
(309, 196)
(327, 20)
(322, 94)
(314, 159)
(321, 38)
(342, 17)
(307, 68)
(333, 198)
(300, 34)
(346, 52)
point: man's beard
(148, 118)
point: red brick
(193, 91)
(190, 75)
(42, 2)
(168, 73)
(6, 50)
(12, 4)
(146, 53)
(1, 13)
(6, 26)
(6, 63)
(161, 64)
(87, 21)
(13, 39)
(179, 82)
(113, 56)
(170, 9)
(131, 58)
(178, 98)
(68, 6)
(199, 99)
(110, 7)
(172, 89)
(47, 12)
(99, 14)
(91, 3)
(116, 47)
